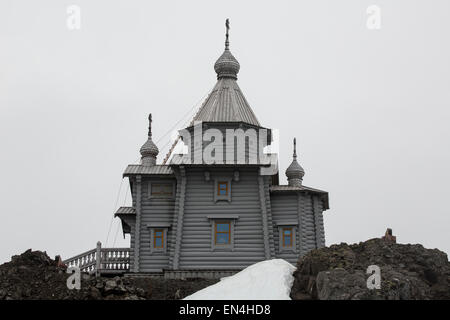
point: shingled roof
(137, 169)
(226, 103)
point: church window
(158, 239)
(222, 188)
(287, 237)
(222, 233)
(161, 190)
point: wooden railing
(102, 260)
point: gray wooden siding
(196, 202)
(173, 234)
(285, 208)
(318, 219)
(271, 228)
(154, 210)
(133, 226)
(251, 149)
(131, 221)
(196, 250)
(308, 221)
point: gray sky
(370, 108)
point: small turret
(149, 151)
(295, 172)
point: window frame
(217, 195)
(218, 219)
(153, 228)
(161, 196)
(281, 237)
(217, 232)
(155, 236)
(219, 188)
(283, 240)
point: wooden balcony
(102, 260)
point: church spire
(149, 151)
(295, 172)
(227, 42)
(226, 101)
(295, 149)
(150, 126)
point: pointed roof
(226, 102)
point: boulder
(339, 272)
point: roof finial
(150, 125)
(227, 26)
(295, 149)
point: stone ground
(338, 272)
(33, 275)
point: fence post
(98, 258)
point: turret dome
(295, 172)
(149, 150)
(227, 66)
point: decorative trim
(137, 233)
(301, 219)
(158, 225)
(269, 218)
(223, 216)
(179, 230)
(287, 223)
(149, 191)
(195, 274)
(173, 234)
(262, 200)
(310, 227)
(318, 221)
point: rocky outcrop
(33, 275)
(338, 272)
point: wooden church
(197, 216)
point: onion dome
(227, 66)
(149, 150)
(295, 171)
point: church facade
(219, 207)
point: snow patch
(265, 280)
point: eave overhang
(291, 189)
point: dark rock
(331, 284)
(33, 275)
(338, 272)
(110, 286)
(94, 293)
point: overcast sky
(370, 108)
